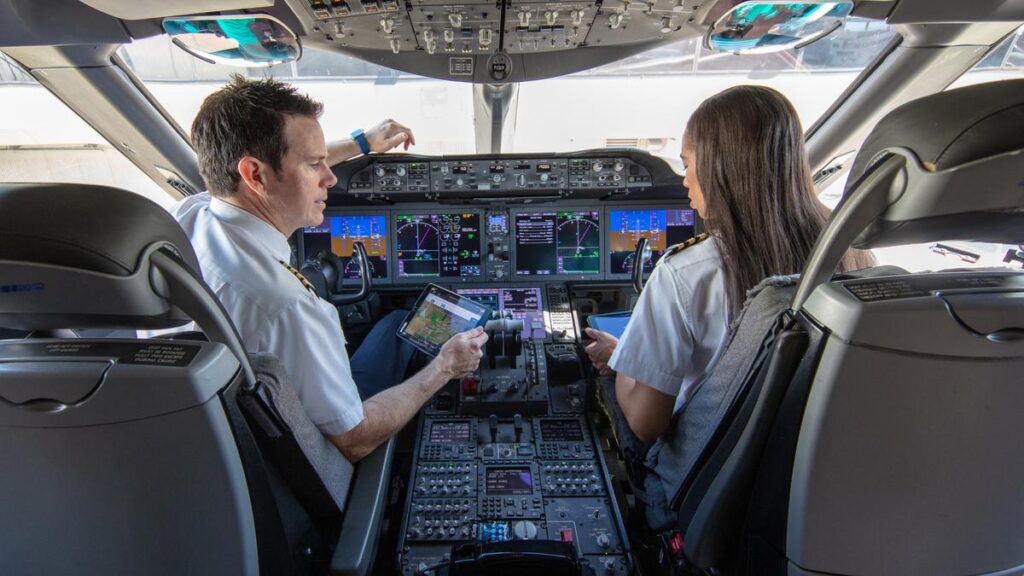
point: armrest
(360, 529)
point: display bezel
(514, 243)
(300, 241)
(607, 260)
(453, 280)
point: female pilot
(749, 179)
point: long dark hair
(752, 168)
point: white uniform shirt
(240, 256)
(680, 324)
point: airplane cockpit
(863, 422)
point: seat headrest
(75, 255)
(960, 177)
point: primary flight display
(337, 234)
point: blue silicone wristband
(360, 137)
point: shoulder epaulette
(677, 248)
(299, 276)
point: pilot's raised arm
(748, 177)
(265, 162)
(385, 136)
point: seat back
(145, 456)
(698, 429)
(888, 427)
(120, 459)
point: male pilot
(266, 164)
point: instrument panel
(499, 244)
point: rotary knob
(603, 541)
(379, 171)
(455, 19)
(544, 177)
(618, 166)
(524, 530)
(598, 165)
(400, 170)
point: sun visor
(78, 256)
(953, 166)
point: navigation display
(558, 243)
(449, 432)
(519, 303)
(509, 481)
(661, 227)
(338, 233)
(438, 315)
(438, 245)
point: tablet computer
(438, 315)
(614, 323)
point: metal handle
(641, 256)
(365, 277)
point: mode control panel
(440, 178)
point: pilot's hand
(461, 354)
(387, 135)
(600, 350)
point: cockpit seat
(878, 433)
(153, 456)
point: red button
(470, 385)
(566, 535)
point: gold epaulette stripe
(677, 248)
(298, 275)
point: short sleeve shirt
(680, 324)
(242, 258)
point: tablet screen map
(438, 319)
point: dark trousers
(381, 360)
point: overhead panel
(546, 27)
(624, 22)
(465, 28)
(497, 41)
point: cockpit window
(644, 100)
(42, 140)
(356, 94)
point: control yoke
(641, 256)
(365, 278)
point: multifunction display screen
(438, 245)
(517, 303)
(662, 228)
(516, 481)
(449, 432)
(558, 243)
(338, 234)
(560, 431)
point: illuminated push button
(566, 535)
(470, 385)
